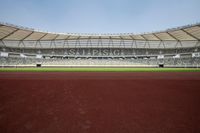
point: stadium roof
(10, 32)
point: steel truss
(99, 43)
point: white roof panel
(19, 35)
(137, 37)
(151, 37)
(49, 36)
(5, 30)
(62, 37)
(181, 35)
(35, 36)
(164, 36)
(195, 31)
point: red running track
(99, 102)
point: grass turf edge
(99, 69)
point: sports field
(99, 69)
(99, 102)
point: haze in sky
(100, 16)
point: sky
(100, 16)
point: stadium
(100, 66)
(26, 47)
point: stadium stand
(170, 62)
(177, 47)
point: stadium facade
(177, 47)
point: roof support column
(110, 45)
(2, 44)
(23, 46)
(77, 46)
(178, 43)
(88, 45)
(133, 49)
(161, 44)
(197, 44)
(99, 45)
(38, 43)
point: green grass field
(99, 69)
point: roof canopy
(15, 33)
